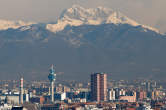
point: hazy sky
(150, 12)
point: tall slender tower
(99, 87)
(52, 78)
(21, 90)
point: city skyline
(140, 94)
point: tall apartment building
(99, 87)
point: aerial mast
(52, 78)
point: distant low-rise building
(60, 96)
(129, 98)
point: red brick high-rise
(99, 87)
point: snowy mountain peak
(6, 24)
(77, 15)
(77, 12)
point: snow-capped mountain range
(78, 15)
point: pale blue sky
(150, 12)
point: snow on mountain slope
(6, 24)
(78, 15)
